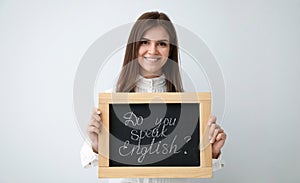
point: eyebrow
(155, 40)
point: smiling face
(153, 52)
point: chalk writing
(159, 131)
(133, 119)
(154, 134)
(142, 151)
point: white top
(90, 159)
(151, 84)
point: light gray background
(256, 43)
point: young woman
(150, 65)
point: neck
(150, 76)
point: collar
(157, 82)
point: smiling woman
(150, 65)
(153, 52)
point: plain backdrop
(256, 43)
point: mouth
(152, 59)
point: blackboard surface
(155, 134)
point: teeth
(151, 59)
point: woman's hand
(217, 137)
(94, 128)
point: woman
(150, 65)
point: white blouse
(151, 84)
(90, 159)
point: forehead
(156, 33)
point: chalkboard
(162, 135)
(154, 134)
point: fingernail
(98, 112)
(211, 141)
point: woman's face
(153, 52)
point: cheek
(165, 53)
(141, 51)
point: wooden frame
(202, 171)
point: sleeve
(218, 164)
(88, 157)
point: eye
(162, 44)
(143, 42)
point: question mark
(187, 139)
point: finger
(93, 129)
(212, 130)
(96, 117)
(221, 136)
(96, 111)
(212, 120)
(96, 114)
(216, 132)
(219, 143)
(95, 123)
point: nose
(152, 49)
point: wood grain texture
(205, 145)
(166, 97)
(103, 138)
(155, 172)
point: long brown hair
(130, 67)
